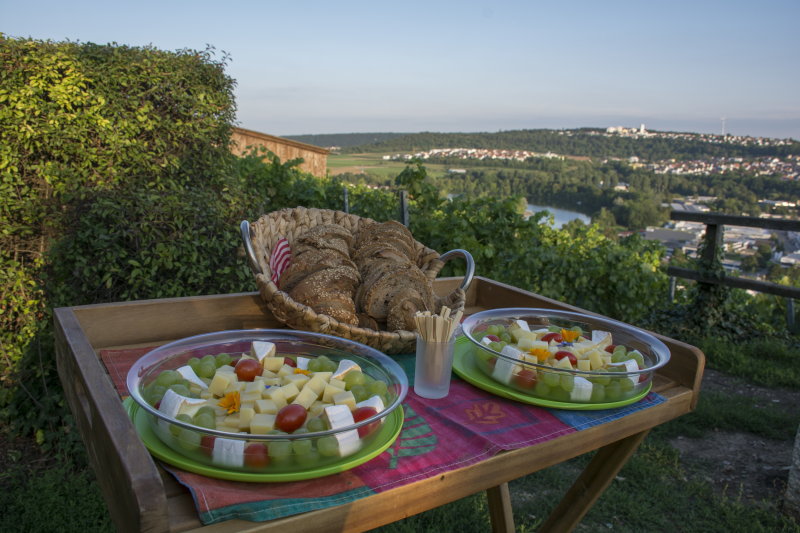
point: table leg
(500, 511)
(589, 486)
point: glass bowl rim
(659, 349)
(153, 357)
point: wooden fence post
(346, 195)
(404, 218)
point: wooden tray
(142, 496)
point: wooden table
(141, 496)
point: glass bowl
(564, 357)
(313, 402)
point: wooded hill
(590, 142)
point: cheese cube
(257, 385)
(298, 379)
(272, 382)
(261, 349)
(235, 386)
(338, 416)
(338, 383)
(290, 391)
(189, 375)
(630, 366)
(262, 423)
(349, 442)
(345, 398)
(226, 368)
(596, 359)
(232, 421)
(306, 397)
(522, 325)
(266, 406)
(249, 397)
(345, 366)
(581, 390)
(317, 384)
(245, 416)
(374, 402)
(220, 383)
(325, 376)
(272, 364)
(285, 370)
(228, 452)
(317, 409)
(329, 392)
(584, 365)
(504, 369)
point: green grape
(328, 446)
(209, 358)
(542, 389)
(189, 440)
(505, 337)
(206, 409)
(559, 395)
(308, 459)
(619, 357)
(637, 356)
(368, 379)
(495, 329)
(554, 329)
(168, 377)
(205, 420)
(223, 359)
(180, 388)
(551, 379)
(577, 328)
(316, 424)
(600, 380)
(301, 446)
(360, 392)
(315, 365)
(613, 391)
(567, 382)
(620, 349)
(176, 430)
(194, 363)
(378, 388)
(626, 385)
(598, 393)
(354, 377)
(280, 451)
(206, 369)
(497, 346)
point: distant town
(787, 167)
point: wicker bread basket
(260, 239)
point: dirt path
(741, 464)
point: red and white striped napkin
(280, 259)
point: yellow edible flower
(301, 371)
(231, 402)
(569, 335)
(540, 353)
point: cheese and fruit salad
(561, 350)
(263, 393)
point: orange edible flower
(540, 353)
(301, 371)
(231, 402)
(569, 335)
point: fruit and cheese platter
(271, 404)
(559, 358)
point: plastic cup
(434, 365)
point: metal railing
(715, 226)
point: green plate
(465, 368)
(389, 431)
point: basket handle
(445, 257)
(248, 247)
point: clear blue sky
(337, 67)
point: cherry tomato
(642, 378)
(290, 417)
(610, 348)
(571, 356)
(491, 363)
(362, 413)
(493, 338)
(526, 379)
(289, 361)
(547, 337)
(255, 455)
(248, 369)
(207, 444)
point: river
(561, 216)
